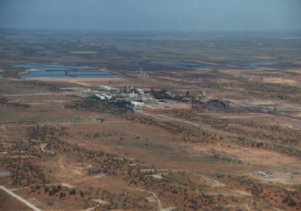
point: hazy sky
(182, 15)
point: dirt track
(24, 201)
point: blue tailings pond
(4, 173)
(62, 71)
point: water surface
(4, 173)
(62, 71)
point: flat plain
(206, 122)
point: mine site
(164, 135)
(150, 105)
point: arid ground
(238, 148)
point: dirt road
(24, 201)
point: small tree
(81, 193)
(62, 195)
(72, 192)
